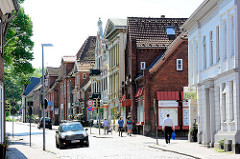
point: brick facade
(165, 77)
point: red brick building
(147, 40)
(161, 86)
(51, 75)
(64, 83)
(85, 61)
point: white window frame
(143, 65)
(179, 66)
(84, 76)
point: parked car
(70, 133)
(48, 123)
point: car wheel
(87, 144)
(57, 144)
(61, 146)
(50, 128)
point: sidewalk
(19, 148)
(178, 146)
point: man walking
(168, 128)
(105, 126)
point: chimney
(162, 16)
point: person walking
(105, 123)
(120, 125)
(129, 125)
(168, 128)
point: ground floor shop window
(167, 107)
(140, 111)
(61, 112)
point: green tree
(18, 55)
(18, 51)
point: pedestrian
(168, 128)
(120, 125)
(105, 123)
(129, 125)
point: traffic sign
(90, 102)
(90, 109)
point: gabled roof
(33, 82)
(170, 50)
(113, 24)
(87, 50)
(53, 71)
(151, 32)
(68, 59)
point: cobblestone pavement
(101, 146)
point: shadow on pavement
(24, 134)
(13, 153)
(19, 143)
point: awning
(123, 98)
(139, 92)
(168, 95)
(127, 103)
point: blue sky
(67, 23)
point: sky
(67, 23)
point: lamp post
(43, 97)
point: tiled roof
(87, 51)
(151, 32)
(53, 70)
(68, 58)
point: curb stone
(156, 147)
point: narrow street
(104, 146)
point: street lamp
(43, 97)
(24, 33)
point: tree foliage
(18, 55)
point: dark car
(70, 133)
(48, 123)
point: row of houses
(8, 10)
(148, 67)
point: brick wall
(166, 78)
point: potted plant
(194, 131)
(221, 143)
(3, 149)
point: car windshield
(46, 119)
(71, 127)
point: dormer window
(170, 31)
(143, 65)
(84, 76)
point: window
(224, 102)
(179, 64)
(143, 65)
(224, 39)
(217, 44)
(204, 53)
(170, 31)
(84, 76)
(77, 80)
(211, 48)
(232, 35)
